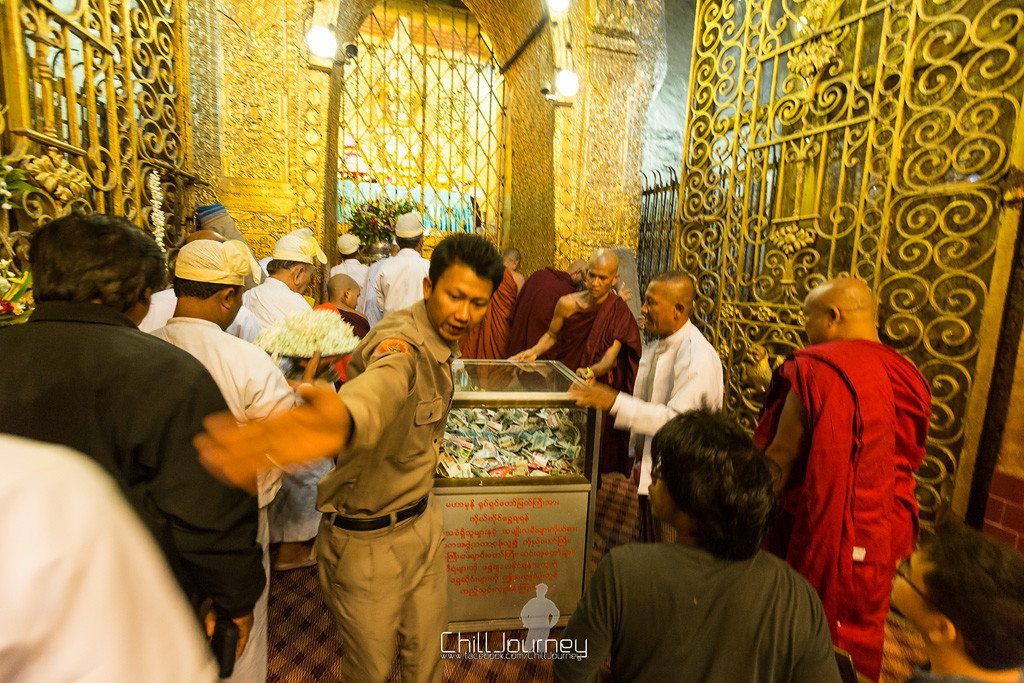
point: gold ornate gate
(422, 117)
(96, 98)
(877, 139)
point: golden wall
(260, 120)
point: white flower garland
(156, 215)
(300, 335)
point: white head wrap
(221, 263)
(409, 225)
(348, 244)
(300, 246)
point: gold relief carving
(246, 194)
(57, 177)
(254, 81)
(882, 161)
(615, 17)
(261, 230)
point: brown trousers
(387, 588)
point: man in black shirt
(79, 373)
(712, 606)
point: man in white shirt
(400, 282)
(162, 303)
(348, 249)
(291, 269)
(208, 279)
(369, 305)
(679, 371)
(87, 595)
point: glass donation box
(517, 479)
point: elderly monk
(536, 303)
(490, 340)
(513, 259)
(594, 333)
(845, 422)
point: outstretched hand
(236, 453)
(593, 395)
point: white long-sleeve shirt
(273, 300)
(688, 376)
(87, 595)
(253, 387)
(400, 281)
(370, 306)
(161, 309)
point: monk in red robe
(845, 421)
(536, 303)
(490, 339)
(344, 294)
(594, 333)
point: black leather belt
(374, 523)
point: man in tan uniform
(380, 545)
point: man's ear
(834, 314)
(428, 287)
(228, 296)
(940, 630)
(146, 298)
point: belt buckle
(392, 519)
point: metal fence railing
(656, 245)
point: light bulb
(321, 42)
(567, 83)
(558, 7)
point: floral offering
(301, 335)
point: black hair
(470, 250)
(198, 290)
(978, 584)
(83, 258)
(277, 265)
(716, 475)
(408, 242)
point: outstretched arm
(563, 309)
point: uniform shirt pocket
(429, 411)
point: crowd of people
(769, 557)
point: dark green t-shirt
(670, 612)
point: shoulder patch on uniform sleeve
(392, 345)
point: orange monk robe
(849, 515)
(490, 339)
(583, 340)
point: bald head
(205, 235)
(843, 308)
(512, 258)
(602, 274)
(604, 258)
(668, 303)
(342, 289)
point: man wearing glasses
(965, 593)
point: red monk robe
(535, 307)
(490, 339)
(584, 338)
(360, 326)
(848, 511)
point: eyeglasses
(903, 571)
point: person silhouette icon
(539, 615)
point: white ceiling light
(567, 83)
(321, 42)
(558, 7)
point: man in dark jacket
(79, 373)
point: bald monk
(343, 296)
(535, 305)
(844, 422)
(490, 339)
(594, 333)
